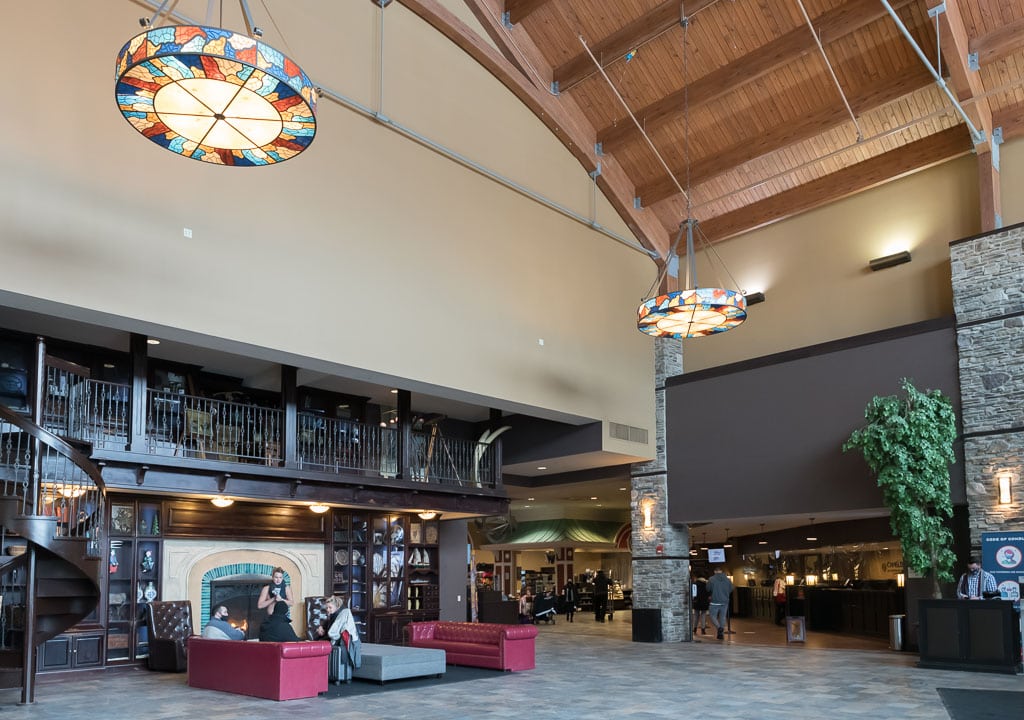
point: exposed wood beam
(519, 9)
(999, 43)
(831, 26)
(965, 83)
(614, 47)
(1011, 120)
(910, 158)
(990, 194)
(564, 119)
(811, 125)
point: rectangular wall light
(1004, 489)
(890, 260)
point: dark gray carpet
(982, 704)
(453, 674)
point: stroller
(544, 608)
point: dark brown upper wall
(764, 437)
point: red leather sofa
(488, 645)
(277, 671)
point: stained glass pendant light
(215, 95)
(692, 311)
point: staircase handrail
(46, 437)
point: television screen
(716, 555)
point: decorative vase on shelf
(150, 593)
(138, 593)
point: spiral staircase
(51, 504)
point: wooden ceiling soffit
(778, 53)
(966, 83)
(614, 47)
(519, 9)
(564, 119)
(808, 126)
(910, 158)
(1011, 120)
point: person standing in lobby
(701, 603)
(976, 583)
(779, 597)
(600, 595)
(720, 589)
(570, 596)
(277, 591)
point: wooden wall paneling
(199, 518)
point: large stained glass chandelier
(215, 95)
(691, 311)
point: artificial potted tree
(908, 445)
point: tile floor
(584, 670)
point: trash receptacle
(647, 625)
(896, 631)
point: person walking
(570, 596)
(720, 588)
(701, 602)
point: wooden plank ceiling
(741, 104)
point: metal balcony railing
(208, 429)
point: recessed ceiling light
(526, 506)
(600, 505)
(531, 499)
(728, 545)
(152, 341)
(762, 542)
(542, 467)
(623, 488)
(108, 366)
(812, 539)
(593, 497)
(394, 391)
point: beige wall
(814, 271)
(367, 254)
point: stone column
(988, 298)
(661, 552)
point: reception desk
(981, 635)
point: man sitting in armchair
(219, 628)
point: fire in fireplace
(239, 593)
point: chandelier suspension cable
(632, 117)
(159, 11)
(817, 41)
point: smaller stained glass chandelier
(692, 311)
(215, 95)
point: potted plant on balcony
(908, 445)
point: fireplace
(239, 594)
(192, 569)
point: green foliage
(908, 444)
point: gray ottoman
(391, 662)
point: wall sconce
(812, 579)
(222, 500)
(791, 579)
(1005, 497)
(901, 579)
(648, 508)
(889, 260)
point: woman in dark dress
(277, 628)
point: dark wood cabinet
(71, 652)
(134, 552)
(387, 567)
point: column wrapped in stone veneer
(988, 298)
(661, 554)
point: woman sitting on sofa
(277, 627)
